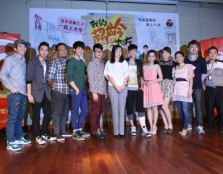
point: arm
(92, 81)
(70, 76)
(203, 72)
(126, 68)
(191, 76)
(160, 76)
(29, 78)
(51, 74)
(29, 93)
(118, 88)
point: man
(60, 91)
(143, 56)
(135, 93)
(214, 88)
(12, 76)
(97, 86)
(200, 72)
(76, 80)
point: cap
(21, 41)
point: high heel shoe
(116, 136)
(154, 132)
(170, 131)
(165, 130)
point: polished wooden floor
(163, 153)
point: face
(62, 51)
(78, 51)
(213, 54)
(98, 53)
(43, 51)
(193, 49)
(151, 57)
(21, 49)
(118, 53)
(133, 53)
(145, 49)
(179, 58)
(166, 55)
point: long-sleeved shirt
(57, 73)
(13, 74)
(96, 78)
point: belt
(211, 87)
(180, 79)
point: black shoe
(98, 136)
(116, 136)
(122, 136)
(103, 132)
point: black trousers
(46, 106)
(214, 98)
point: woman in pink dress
(183, 78)
(152, 91)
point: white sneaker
(189, 128)
(133, 131)
(40, 140)
(200, 130)
(146, 133)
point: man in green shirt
(76, 80)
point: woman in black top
(166, 65)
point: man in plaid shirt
(60, 91)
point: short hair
(178, 52)
(151, 51)
(167, 49)
(43, 44)
(114, 48)
(212, 48)
(78, 44)
(98, 45)
(145, 46)
(132, 47)
(193, 42)
(59, 44)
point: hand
(119, 89)
(106, 95)
(204, 87)
(31, 99)
(189, 94)
(95, 97)
(14, 91)
(77, 91)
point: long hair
(114, 48)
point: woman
(166, 65)
(38, 93)
(183, 76)
(116, 71)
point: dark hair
(193, 42)
(145, 46)
(78, 44)
(98, 45)
(114, 48)
(151, 51)
(132, 47)
(43, 44)
(59, 44)
(212, 48)
(178, 52)
(167, 49)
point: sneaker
(189, 128)
(78, 136)
(40, 140)
(66, 134)
(133, 130)
(103, 132)
(84, 134)
(59, 137)
(22, 140)
(200, 130)
(98, 135)
(47, 137)
(13, 146)
(146, 133)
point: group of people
(131, 85)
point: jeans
(16, 110)
(185, 111)
(46, 106)
(78, 101)
(197, 96)
(60, 108)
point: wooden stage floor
(163, 153)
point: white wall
(197, 20)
